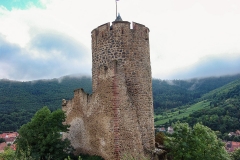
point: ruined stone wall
(117, 118)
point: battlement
(123, 27)
(79, 91)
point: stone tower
(117, 119)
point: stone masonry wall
(117, 119)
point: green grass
(178, 113)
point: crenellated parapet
(119, 28)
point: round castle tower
(130, 47)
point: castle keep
(117, 118)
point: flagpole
(116, 8)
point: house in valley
(9, 137)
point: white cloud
(5, 69)
(182, 33)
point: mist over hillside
(20, 100)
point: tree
(2, 140)
(41, 137)
(236, 154)
(197, 143)
(159, 138)
(8, 154)
(236, 139)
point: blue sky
(44, 39)
(20, 4)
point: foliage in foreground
(236, 154)
(88, 157)
(197, 143)
(8, 154)
(160, 138)
(41, 137)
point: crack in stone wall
(116, 116)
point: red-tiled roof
(10, 139)
(162, 129)
(2, 146)
(231, 146)
(13, 147)
(237, 132)
(8, 135)
(235, 144)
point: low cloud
(210, 66)
(51, 42)
(48, 55)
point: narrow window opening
(105, 69)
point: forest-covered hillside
(218, 109)
(169, 94)
(223, 112)
(20, 100)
